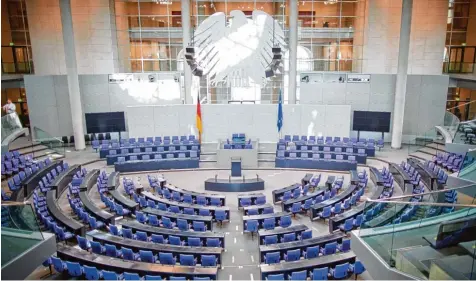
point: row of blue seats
(137, 150)
(340, 271)
(158, 156)
(288, 237)
(310, 252)
(450, 161)
(144, 141)
(237, 146)
(160, 239)
(268, 224)
(181, 224)
(442, 175)
(143, 255)
(339, 207)
(113, 206)
(74, 269)
(15, 182)
(248, 201)
(317, 156)
(15, 165)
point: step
(421, 156)
(208, 157)
(437, 146)
(267, 147)
(428, 150)
(266, 157)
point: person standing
(11, 118)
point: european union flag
(280, 111)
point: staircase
(428, 150)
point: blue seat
(58, 264)
(292, 255)
(95, 223)
(285, 221)
(194, 242)
(175, 240)
(268, 210)
(92, 273)
(215, 201)
(252, 226)
(74, 269)
(153, 220)
(275, 277)
(269, 223)
(127, 233)
(83, 243)
(188, 211)
(347, 226)
(174, 209)
(271, 239)
(121, 211)
(345, 246)
(147, 256)
(182, 225)
(131, 276)
(112, 251)
(97, 248)
(329, 248)
(62, 235)
(162, 207)
(358, 220)
(340, 271)
(311, 252)
(306, 234)
(245, 202)
(142, 236)
(176, 196)
(320, 273)
(252, 212)
(128, 254)
(158, 238)
(220, 215)
(296, 193)
(167, 223)
(326, 212)
(177, 278)
(357, 268)
(202, 200)
(167, 258)
(288, 237)
(187, 260)
(260, 200)
(201, 278)
(203, 212)
(298, 275)
(296, 208)
(199, 226)
(187, 198)
(111, 275)
(208, 260)
(141, 217)
(286, 196)
(213, 242)
(273, 257)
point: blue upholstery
(194, 242)
(345, 246)
(175, 240)
(187, 260)
(153, 220)
(252, 226)
(127, 233)
(348, 225)
(167, 258)
(203, 212)
(128, 254)
(275, 277)
(131, 276)
(112, 251)
(245, 202)
(252, 212)
(58, 264)
(306, 234)
(272, 239)
(111, 275)
(83, 243)
(152, 277)
(357, 268)
(298, 275)
(97, 248)
(293, 255)
(208, 260)
(288, 237)
(340, 271)
(147, 256)
(142, 236)
(213, 242)
(311, 252)
(167, 223)
(326, 212)
(329, 248)
(273, 257)
(320, 273)
(260, 200)
(199, 226)
(182, 224)
(296, 207)
(268, 210)
(220, 215)
(74, 269)
(285, 221)
(92, 273)
(269, 223)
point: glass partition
(10, 123)
(405, 234)
(20, 230)
(465, 132)
(53, 143)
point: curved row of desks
(194, 194)
(302, 245)
(306, 264)
(60, 183)
(88, 182)
(136, 246)
(182, 206)
(286, 205)
(315, 209)
(337, 220)
(59, 216)
(281, 231)
(112, 186)
(261, 218)
(259, 208)
(119, 265)
(28, 185)
(208, 220)
(251, 196)
(184, 235)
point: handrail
(422, 203)
(425, 193)
(15, 203)
(448, 109)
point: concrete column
(186, 27)
(293, 43)
(401, 85)
(72, 74)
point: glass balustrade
(54, 144)
(20, 230)
(10, 123)
(406, 235)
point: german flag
(199, 119)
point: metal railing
(53, 143)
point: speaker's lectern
(236, 166)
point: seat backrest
(187, 260)
(341, 270)
(273, 257)
(194, 241)
(142, 236)
(271, 239)
(293, 255)
(299, 275)
(320, 273)
(146, 256)
(74, 269)
(288, 237)
(175, 240)
(158, 238)
(166, 258)
(131, 276)
(312, 252)
(275, 277)
(252, 225)
(213, 242)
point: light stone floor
(240, 259)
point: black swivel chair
(65, 140)
(71, 140)
(108, 136)
(87, 140)
(100, 137)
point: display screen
(371, 121)
(105, 122)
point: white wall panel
(221, 121)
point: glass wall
(16, 45)
(330, 33)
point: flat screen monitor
(105, 122)
(371, 121)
